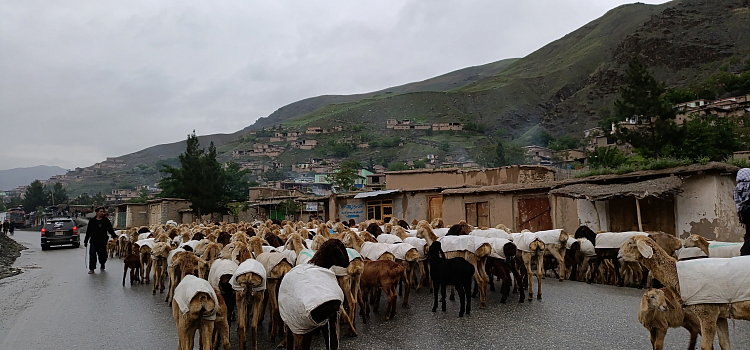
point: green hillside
(559, 88)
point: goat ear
(645, 249)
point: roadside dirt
(9, 251)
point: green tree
(236, 208)
(444, 146)
(500, 158)
(59, 194)
(273, 175)
(36, 196)
(714, 138)
(236, 181)
(642, 98)
(83, 199)
(2, 206)
(142, 196)
(420, 164)
(15, 202)
(199, 179)
(289, 207)
(397, 166)
(99, 198)
(563, 143)
(343, 179)
(607, 157)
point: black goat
(455, 272)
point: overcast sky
(84, 80)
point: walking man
(6, 226)
(742, 200)
(96, 232)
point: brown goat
(133, 262)
(383, 274)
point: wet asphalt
(55, 304)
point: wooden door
(436, 207)
(534, 214)
(471, 214)
(483, 214)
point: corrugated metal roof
(375, 193)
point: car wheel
(76, 244)
(45, 246)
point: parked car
(59, 231)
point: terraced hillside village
(455, 119)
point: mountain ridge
(12, 178)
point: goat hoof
(452, 298)
(460, 315)
(153, 292)
(539, 297)
(503, 300)
(434, 309)
(405, 306)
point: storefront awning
(375, 193)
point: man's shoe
(91, 272)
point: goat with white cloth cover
(249, 283)
(194, 309)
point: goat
(133, 262)
(197, 311)
(660, 310)
(455, 272)
(324, 315)
(383, 274)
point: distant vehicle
(17, 217)
(59, 231)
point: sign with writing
(312, 206)
(352, 211)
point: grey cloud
(83, 80)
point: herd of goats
(314, 275)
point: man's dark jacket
(97, 230)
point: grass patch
(647, 164)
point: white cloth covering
(291, 254)
(399, 250)
(221, 267)
(714, 280)
(461, 243)
(309, 242)
(144, 235)
(690, 253)
(570, 242)
(549, 236)
(418, 243)
(190, 243)
(724, 249)
(249, 266)
(523, 240)
(149, 242)
(172, 223)
(587, 248)
(373, 251)
(172, 254)
(304, 256)
(303, 289)
(614, 240)
(411, 233)
(497, 246)
(353, 254)
(491, 233)
(389, 238)
(440, 232)
(188, 288)
(268, 249)
(270, 260)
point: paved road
(54, 304)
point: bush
(607, 157)
(397, 166)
